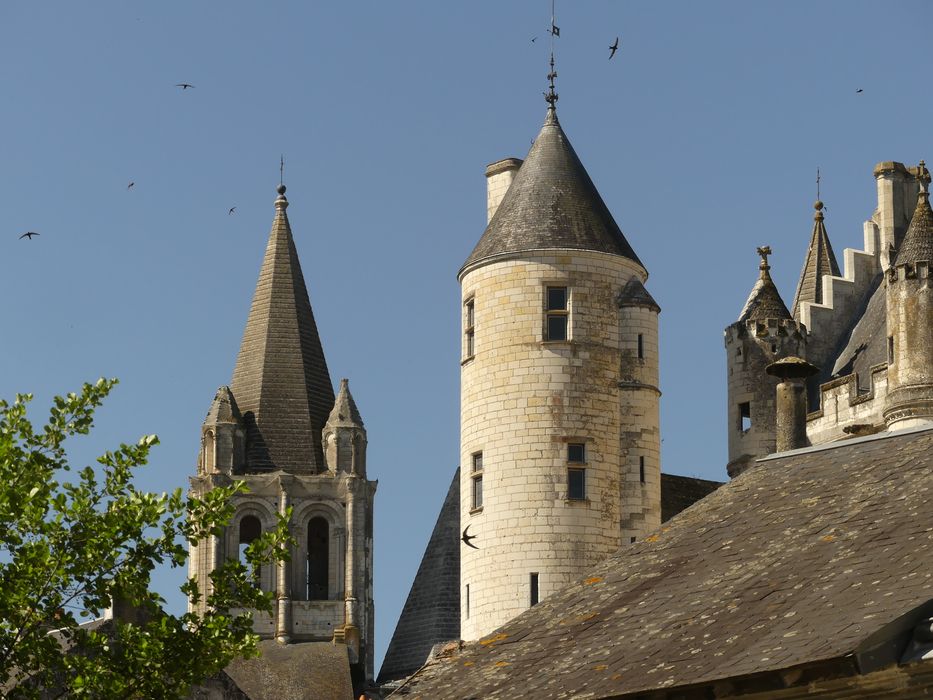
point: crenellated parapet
(846, 409)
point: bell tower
(279, 429)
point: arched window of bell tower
(318, 558)
(208, 457)
(250, 530)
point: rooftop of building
(815, 559)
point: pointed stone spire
(281, 382)
(223, 408)
(345, 413)
(918, 241)
(820, 261)
(764, 301)
(551, 204)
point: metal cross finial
(817, 184)
(282, 169)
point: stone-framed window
(557, 313)
(641, 469)
(469, 328)
(576, 471)
(641, 346)
(533, 588)
(476, 481)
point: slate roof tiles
(798, 560)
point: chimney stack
(791, 418)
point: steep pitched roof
(820, 261)
(281, 382)
(806, 557)
(918, 241)
(432, 610)
(223, 408)
(764, 301)
(635, 294)
(552, 203)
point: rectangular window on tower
(576, 473)
(533, 585)
(469, 332)
(557, 314)
(641, 469)
(477, 482)
(890, 349)
(641, 347)
(466, 601)
(745, 416)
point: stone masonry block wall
(841, 406)
(523, 400)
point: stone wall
(524, 399)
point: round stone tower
(560, 447)
(763, 333)
(909, 401)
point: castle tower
(909, 400)
(279, 429)
(763, 333)
(559, 441)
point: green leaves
(71, 550)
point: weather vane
(817, 184)
(551, 95)
(282, 169)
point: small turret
(222, 436)
(344, 435)
(909, 400)
(820, 261)
(763, 333)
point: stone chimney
(897, 197)
(791, 405)
(499, 176)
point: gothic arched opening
(318, 558)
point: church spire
(820, 261)
(281, 383)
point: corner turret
(222, 436)
(909, 401)
(763, 333)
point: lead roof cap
(551, 204)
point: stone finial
(818, 205)
(764, 251)
(923, 177)
(281, 202)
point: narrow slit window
(641, 469)
(533, 585)
(558, 314)
(466, 596)
(890, 349)
(745, 416)
(641, 347)
(469, 331)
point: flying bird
(231, 210)
(614, 48)
(534, 39)
(184, 86)
(29, 235)
(466, 538)
(860, 90)
(131, 185)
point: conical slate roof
(281, 382)
(765, 301)
(345, 412)
(552, 203)
(635, 294)
(820, 261)
(918, 241)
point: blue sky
(703, 135)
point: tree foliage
(74, 544)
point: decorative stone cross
(764, 251)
